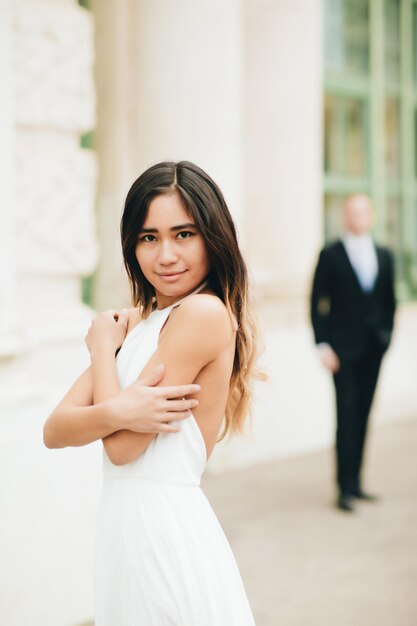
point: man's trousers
(355, 384)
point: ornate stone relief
(54, 103)
(55, 199)
(53, 65)
(52, 213)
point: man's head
(358, 214)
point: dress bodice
(173, 458)
(162, 558)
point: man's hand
(144, 408)
(329, 358)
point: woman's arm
(75, 421)
(106, 385)
(198, 331)
(94, 407)
(139, 407)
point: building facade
(288, 105)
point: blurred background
(289, 105)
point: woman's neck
(162, 304)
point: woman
(162, 557)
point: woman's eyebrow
(179, 227)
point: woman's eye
(147, 238)
(184, 234)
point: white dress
(162, 558)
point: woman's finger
(167, 428)
(122, 318)
(108, 312)
(174, 415)
(179, 391)
(180, 405)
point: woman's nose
(167, 253)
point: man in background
(352, 312)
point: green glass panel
(393, 226)
(87, 289)
(409, 254)
(87, 140)
(405, 255)
(414, 60)
(392, 40)
(333, 134)
(415, 142)
(346, 37)
(333, 225)
(345, 127)
(370, 121)
(392, 139)
(356, 138)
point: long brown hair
(228, 276)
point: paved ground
(306, 564)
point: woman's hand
(107, 330)
(144, 408)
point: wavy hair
(228, 276)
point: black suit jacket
(342, 314)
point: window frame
(376, 184)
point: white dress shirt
(362, 256)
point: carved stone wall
(54, 104)
(53, 63)
(47, 243)
(54, 205)
(51, 220)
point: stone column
(47, 242)
(9, 340)
(283, 225)
(189, 97)
(283, 154)
(170, 88)
(114, 141)
(48, 192)
(54, 96)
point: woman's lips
(172, 276)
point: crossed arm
(127, 420)
(198, 332)
(84, 415)
(76, 421)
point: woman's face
(170, 250)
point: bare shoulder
(205, 317)
(205, 307)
